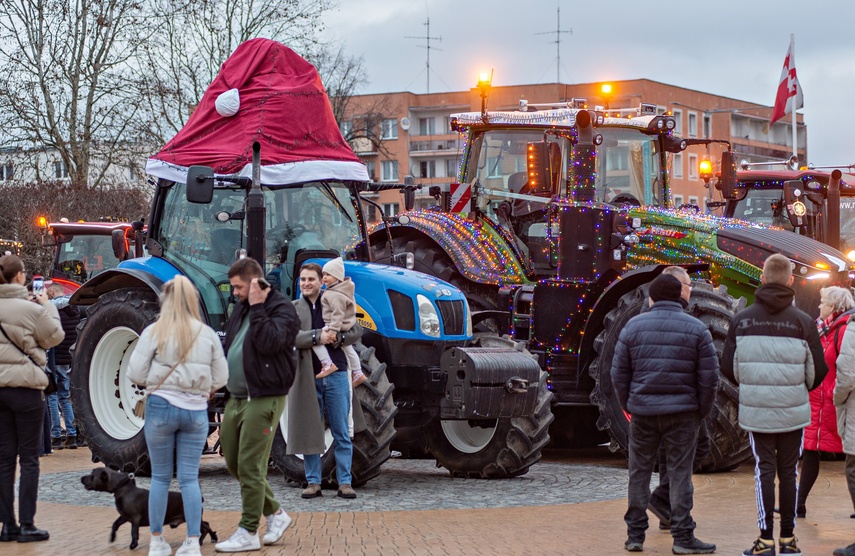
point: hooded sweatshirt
(773, 353)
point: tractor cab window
(84, 257)
(628, 168)
(763, 206)
(847, 224)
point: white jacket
(32, 327)
(844, 398)
(203, 371)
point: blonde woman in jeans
(180, 361)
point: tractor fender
(608, 300)
(481, 251)
(150, 272)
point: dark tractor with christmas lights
(289, 192)
(569, 219)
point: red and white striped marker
(461, 194)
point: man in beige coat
(305, 422)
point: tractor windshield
(628, 167)
(82, 257)
(308, 216)
(763, 206)
(847, 224)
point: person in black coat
(60, 401)
(665, 374)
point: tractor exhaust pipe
(255, 211)
(583, 167)
(832, 213)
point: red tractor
(85, 249)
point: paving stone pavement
(402, 485)
(724, 510)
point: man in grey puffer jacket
(774, 354)
(665, 374)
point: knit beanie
(665, 288)
(335, 268)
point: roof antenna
(558, 31)
(427, 38)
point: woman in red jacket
(821, 435)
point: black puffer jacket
(269, 358)
(69, 315)
(665, 363)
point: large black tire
(713, 306)
(370, 447)
(493, 449)
(103, 397)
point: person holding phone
(27, 330)
(260, 352)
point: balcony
(432, 146)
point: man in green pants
(260, 350)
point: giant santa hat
(264, 92)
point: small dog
(132, 503)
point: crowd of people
(795, 376)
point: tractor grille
(402, 308)
(453, 317)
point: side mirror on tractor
(727, 182)
(120, 246)
(200, 185)
(796, 208)
(409, 193)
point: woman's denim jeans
(169, 429)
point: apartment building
(417, 140)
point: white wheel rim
(283, 427)
(111, 394)
(466, 438)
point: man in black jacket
(665, 374)
(260, 351)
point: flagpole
(795, 132)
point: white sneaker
(159, 547)
(276, 526)
(241, 541)
(190, 546)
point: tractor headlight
(428, 317)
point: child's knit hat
(335, 268)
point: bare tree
(64, 88)
(358, 117)
(196, 36)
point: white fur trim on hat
(228, 103)
(335, 268)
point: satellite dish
(415, 170)
(405, 124)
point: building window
(389, 128)
(390, 170)
(707, 125)
(390, 209)
(678, 120)
(427, 126)
(693, 124)
(660, 110)
(7, 172)
(678, 200)
(346, 129)
(693, 167)
(427, 169)
(371, 167)
(451, 168)
(677, 169)
(60, 170)
(693, 200)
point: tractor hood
(812, 258)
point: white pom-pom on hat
(228, 103)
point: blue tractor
(480, 404)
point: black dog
(132, 503)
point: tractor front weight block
(488, 383)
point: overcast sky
(727, 47)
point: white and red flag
(789, 97)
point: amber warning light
(41, 222)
